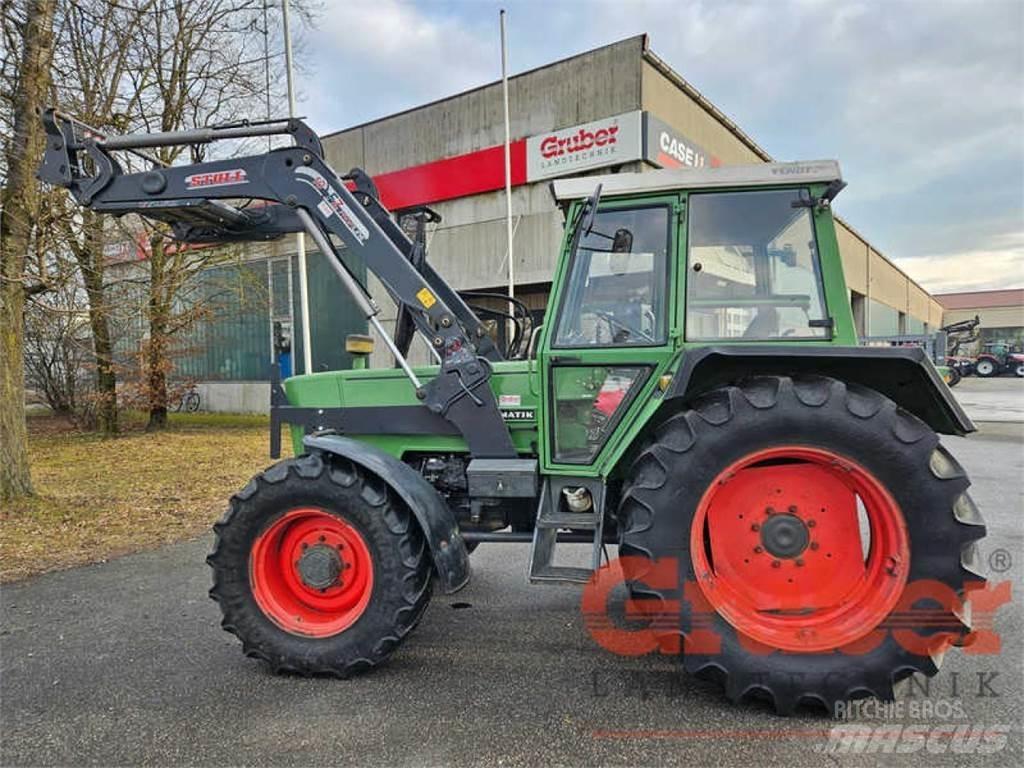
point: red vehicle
(997, 358)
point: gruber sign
(609, 141)
(667, 148)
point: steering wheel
(613, 322)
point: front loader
(786, 518)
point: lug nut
(755, 527)
(814, 545)
(769, 511)
(776, 563)
(811, 523)
(758, 550)
(799, 563)
(792, 509)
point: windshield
(616, 291)
(754, 270)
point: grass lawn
(100, 497)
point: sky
(922, 101)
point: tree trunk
(90, 262)
(157, 364)
(18, 201)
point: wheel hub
(311, 572)
(319, 567)
(784, 535)
(777, 549)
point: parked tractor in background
(786, 517)
(999, 357)
(959, 335)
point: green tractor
(785, 516)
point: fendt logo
(217, 179)
(553, 146)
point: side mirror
(622, 241)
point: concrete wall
(234, 396)
(991, 317)
(854, 253)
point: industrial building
(1001, 313)
(619, 108)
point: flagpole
(300, 239)
(508, 170)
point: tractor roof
(669, 179)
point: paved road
(123, 663)
(997, 399)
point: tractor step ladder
(551, 518)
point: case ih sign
(667, 148)
(609, 141)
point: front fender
(434, 516)
(903, 374)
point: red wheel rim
(311, 573)
(762, 509)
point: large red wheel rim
(777, 549)
(311, 573)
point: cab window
(616, 294)
(754, 270)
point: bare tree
(94, 53)
(208, 67)
(58, 350)
(33, 24)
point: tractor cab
(659, 261)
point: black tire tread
(651, 475)
(261, 640)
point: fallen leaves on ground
(99, 497)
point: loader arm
(304, 194)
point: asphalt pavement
(123, 663)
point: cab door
(613, 330)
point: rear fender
(903, 374)
(434, 516)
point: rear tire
(692, 455)
(986, 368)
(338, 615)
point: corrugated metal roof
(1012, 297)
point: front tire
(318, 568)
(806, 613)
